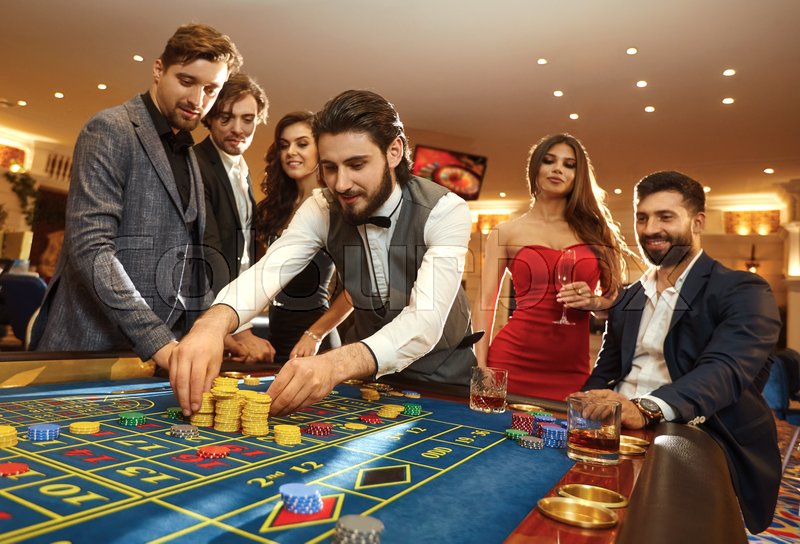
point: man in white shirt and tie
(689, 343)
(229, 236)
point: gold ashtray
(577, 512)
(520, 407)
(633, 441)
(237, 375)
(630, 449)
(592, 493)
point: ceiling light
(573, 116)
(558, 93)
(641, 84)
(102, 86)
(728, 100)
(541, 61)
(617, 191)
(503, 195)
(649, 109)
(59, 94)
(21, 103)
(15, 168)
(769, 170)
(706, 189)
(728, 72)
(631, 51)
(138, 58)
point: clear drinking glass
(564, 270)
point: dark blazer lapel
(697, 278)
(146, 132)
(632, 307)
(222, 177)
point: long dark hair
(586, 211)
(275, 210)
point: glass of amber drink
(487, 390)
(594, 429)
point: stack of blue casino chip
(554, 436)
(301, 499)
(43, 431)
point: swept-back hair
(195, 41)
(694, 198)
(235, 88)
(586, 211)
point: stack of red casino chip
(372, 418)
(213, 452)
(318, 428)
(522, 421)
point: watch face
(649, 405)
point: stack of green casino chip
(515, 434)
(411, 409)
(175, 412)
(132, 419)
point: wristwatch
(649, 409)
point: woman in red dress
(544, 357)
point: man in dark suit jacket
(130, 274)
(229, 236)
(689, 343)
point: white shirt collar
(228, 161)
(649, 278)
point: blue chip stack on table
(301, 499)
(43, 431)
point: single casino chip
(355, 426)
(13, 469)
(213, 452)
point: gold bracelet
(316, 338)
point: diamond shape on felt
(280, 518)
(383, 476)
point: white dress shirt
(237, 170)
(649, 368)
(418, 327)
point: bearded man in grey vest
(399, 244)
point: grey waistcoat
(447, 362)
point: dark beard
(677, 250)
(376, 202)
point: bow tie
(380, 221)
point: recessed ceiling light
(21, 103)
(59, 94)
(728, 100)
(769, 170)
(573, 116)
(503, 195)
(631, 51)
(617, 191)
(558, 93)
(706, 189)
(102, 86)
(541, 61)
(138, 58)
(641, 83)
(729, 72)
(649, 109)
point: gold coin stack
(367, 393)
(287, 435)
(204, 417)
(84, 427)
(391, 411)
(8, 436)
(228, 404)
(250, 380)
(255, 414)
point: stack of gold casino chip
(287, 435)
(84, 427)
(255, 414)
(8, 436)
(355, 426)
(204, 417)
(251, 380)
(222, 381)
(228, 405)
(391, 410)
(367, 393)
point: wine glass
(564, 269)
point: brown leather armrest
(684, 493)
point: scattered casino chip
(13, 469)
(213, 452)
